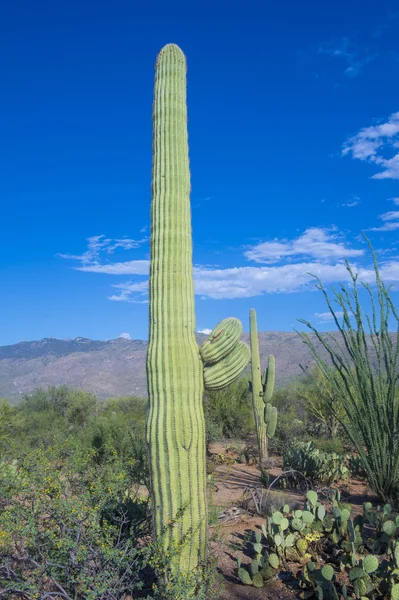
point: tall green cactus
(176, 367)
(262, 387)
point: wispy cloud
(130, 267)
(135, 292)
(345, 50)
(286, 268)
(351, 203)
(373, 143)
(390, 219)
(327, 316)
(315, 242)
(90, 261)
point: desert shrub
(120, 428)
(58, 411)
(365, 360)
(322, 401)
(70, 528)
(9, 424)
(228, 412)
(291, 421)
(334, 445)
(302, 460)
(115, 427)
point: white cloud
(206, 331)
(246, 282)
(317, 251)
(316, 243)
(327, 316)
(387, 227)
(391, 220)
(390, 216)
(372, 143)
(395, 201)
(125, 336)
(130, 267)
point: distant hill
(115, 367)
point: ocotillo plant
(262, 387)
(176, 367)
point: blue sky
(294, 151)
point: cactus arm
(175, 424)
(268, 379)
(221, 341)
(228, 369)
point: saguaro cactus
(176, 367)
(262, 387)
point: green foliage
(228, 412)
(69, 526)
(9, 423)
(333, 445)
(120, 427)
(173, 584)
(115, 427)
(303, 460)
(323, 402)
(292, 419)
(57, 411)
(365, 361)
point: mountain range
(116, 367)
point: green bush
(228, 412)
(57, 414)
(292, 419)
(330, 445)
(70, 527)
(58, 411)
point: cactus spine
(175, 368)
(262, 387)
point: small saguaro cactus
(177, 369)
(262, 388)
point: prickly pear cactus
(262, 388)
(175, 368)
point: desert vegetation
(220, 485)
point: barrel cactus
(262, 387)
(177, 369)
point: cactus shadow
(237, 478)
